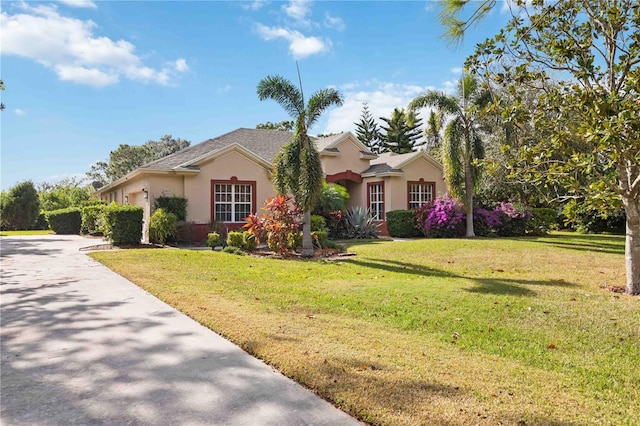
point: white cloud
(69, 47)
(381, 97)
(456, 70)
(224, 89)
(300, 45)
(19, 111)
(253, 5)
(79, 3)
(334, 22)
(298, 10)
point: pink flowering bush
(445, 217)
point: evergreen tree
(402, 132)
(367, 130)
(20, 207)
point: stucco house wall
(244, 158)
(231, 166)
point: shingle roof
(264, 143)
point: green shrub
(41, 222)
(249, 241)
(175, 205)
(235, 239)
(542, 221)
(20, 207)
(401, 224)
(294, 240)
(214, 240)
(123, 224)
(162, 225)
(333, 197)
(233, 250)
(318, 223)
(588, 220)
(93, 219)
(65, 221)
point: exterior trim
(346, 175)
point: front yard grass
(484, 331)
(22, 233)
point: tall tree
(593, 47)
(402, 133)
(127, 158)
(285, 125)
(69, 192)
(298, 170)
(462, 144)
(433, 134)
(367, 130)
(20, 207)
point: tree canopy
(591, 50)
(127, 158)
(285, 125)
(402, 132)
(367, 130)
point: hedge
(400, 224)
(92, 216)
(65, 221)
(123, 224)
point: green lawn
(485, 331)
(20, 233)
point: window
(233, 201)
(420, 193)
(375, 193)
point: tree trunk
(468, 191)
(307, 243)
(632, 245)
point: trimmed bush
(65, 221)
(235, 239)
(214, 240)
(162, 225)
(249, 241)
(175, 205)
(233, 250)
(542, 221)
(123, 224)
(400, 224)
(41, 222)
(92, 219)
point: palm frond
(282, 91)
(438, 100)
(452, 157)
(310, 175)
(320, 101)
(477, 146)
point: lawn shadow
(497, 285)
(613, 244)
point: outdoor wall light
(126, 199)
(146, 193)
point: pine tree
(367, 130)
(402, 132)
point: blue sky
(84, 76)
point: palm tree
(298, 169)
(462, 142)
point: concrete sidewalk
(82, 345)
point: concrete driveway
(82, 345)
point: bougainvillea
(445, 217)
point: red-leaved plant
(279, 225)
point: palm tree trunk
(307, 243)
(468, 190)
